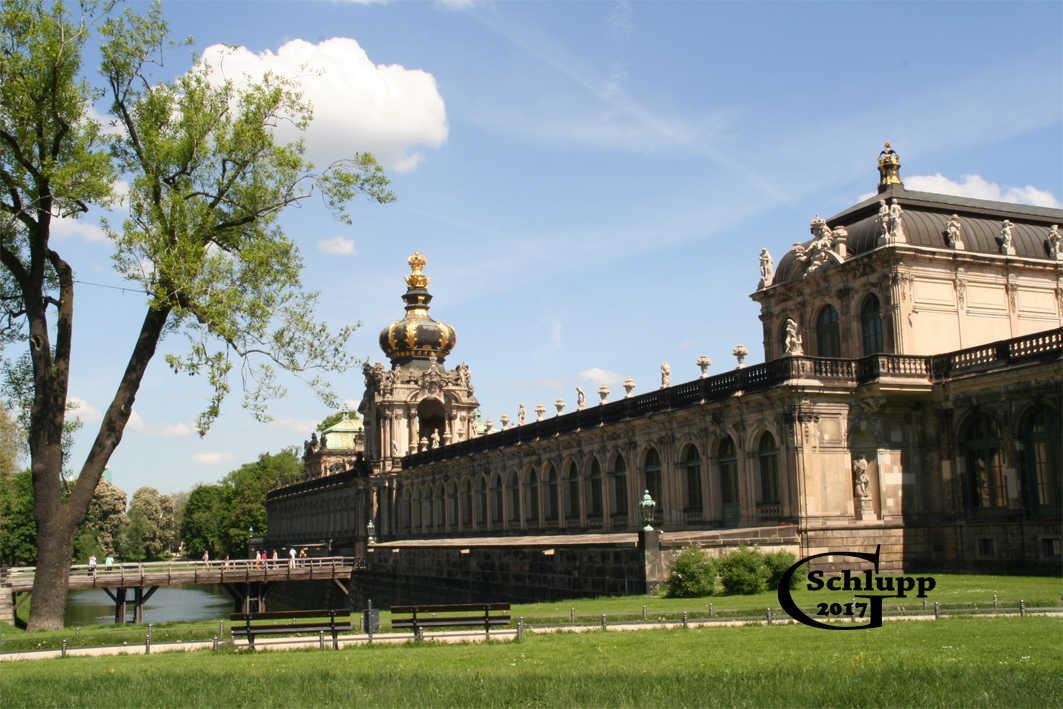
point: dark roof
(925, 216)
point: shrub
(778, 562)
(743, 571)
(692, 574)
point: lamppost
(647, 505)
(370, 532)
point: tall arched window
(619, 486)
(551, 494)
(426, 505)
(727, 460)
(439, 503)
(595, 489)
(985, 484)
(691, 464)
(768, 467)
(1041, 460)
(871, 325)
(496, 515)
(828, 339)
(481, 494)
(416, 509)
(452, 505)
(514, 503)
(572, 493)
(466, 504)
(652, 477)
(533, 499)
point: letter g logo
(787, 602)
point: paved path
(438, 637)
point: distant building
(911, 398)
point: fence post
(644, 613)
(63, 650)
(147, 643)
(996, 601)
(321, 639)
(520, 628)
(221, 628)
(712, 610)
(214, 644)
(937, 610)
(77, 632)
(768, 616)
(1022, 608)
(685, 618)
(572, 615)
(603, 621)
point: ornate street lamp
(370, 532)
(647, 505)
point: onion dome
(417, 336)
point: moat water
(167, 605)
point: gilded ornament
(411, 335)
(417, 279)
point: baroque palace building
(911, 398)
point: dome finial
(417, 279)
(889, 168)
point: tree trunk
(51, 581)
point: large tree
(207, 182)
(150, 531)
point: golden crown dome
(417, 336)
(889, 168)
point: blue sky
(591, 183)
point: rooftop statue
(767, 269)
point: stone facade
(911, 398)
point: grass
(953, 590)
(954, 662)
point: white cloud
(176, 430)
(211, 458)
(70, 228)
(82, 410)
(304, 427)
(351, 405)
(601, 376)
(388, 110)
(978, 187)
(457, 4)
(337, 246)
(135, 423)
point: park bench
(330, 621)
(481, 615)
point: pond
(166, 605)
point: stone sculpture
(793, 338)
(767, 269)
(666, 375)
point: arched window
(828, 339)
(619, 486)
(652, 477)
(985, 485)
(466, 504)
(572, 493)
(438, 503)
(426, 505)
(514, 502)
(727, 462)
(871, 325)
(415, 509)
(481, 494)
(596, 489)
(1041, 460)
(496, 515)
(551, 494)
(768, 467)
(533, 499)
(691, 464)
(452, 499)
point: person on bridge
(206, 556)
(291, 560)
(92, 565)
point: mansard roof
(925, 216)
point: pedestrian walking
(291, 560)
(92, 565)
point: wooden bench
(487, 615)
(330, 621)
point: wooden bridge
(246, 580)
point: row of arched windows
(828, 330)
(482, 499)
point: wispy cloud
(212, 458)
(301, 426)
(601, 376)
(337, 246)
(69, 228)
(83, 410)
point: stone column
(414, 432)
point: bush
(743, 571)
(692, 574)
(778, 562)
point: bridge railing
(19, 575)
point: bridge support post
(119, 605)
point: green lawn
(987, 662)
(954, 590)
